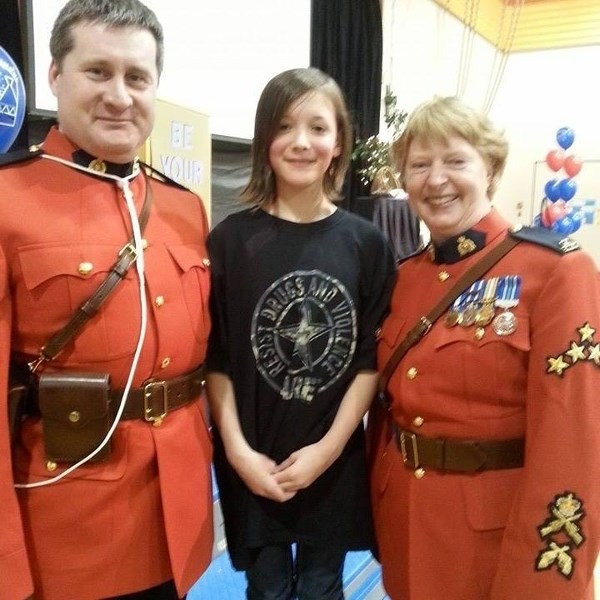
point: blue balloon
(552, 190)
(564, 226)
(567, 189)
(12, 101)
(565, 137)
(577, 217)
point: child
(299, 289)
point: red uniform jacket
(498, 534)
(143, 516)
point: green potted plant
(371, 156)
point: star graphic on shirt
(557, 365)
(576, 352)
(303, 333)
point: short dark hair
(113, 13)
(277, 96)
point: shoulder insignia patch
(17, 156)
(546, 237)
(562, 533)
(582, 350)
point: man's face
(105, 90)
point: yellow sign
(179, 147)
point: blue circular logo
(12, 101)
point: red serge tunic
(145, 515)
(498, 534)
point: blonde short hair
(443, 117)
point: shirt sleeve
(552, 537)
(217, 357)
(377, 280)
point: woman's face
(447, 184)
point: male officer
(137, 524)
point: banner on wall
(12, 101)
(179, 147)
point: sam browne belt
(156, 398)
(461, 456)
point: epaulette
(17, 156)
(545, 237)
(162, 177)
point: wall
(218, 55)
(539, 93)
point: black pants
(314, 573)
(164, 591)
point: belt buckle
(415, 449)
(149, 389)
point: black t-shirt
(295, 309)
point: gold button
(159, 301)
(34, 148)
(165, 363)
(411, 373)
(479, 333)
(419, 473)
(418, 421)
(206, 262)
(97, 165)
(443, 275)
(378, 332)
(144, 243)
(157, 422)
(74, 416)
(85, 268)
(51, 465)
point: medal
(485, 314)
(487, 310)
(467, 316)
(468, 312)
(509, 290)
(505, 323)
(451, 318)
(453, 315)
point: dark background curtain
(347, 43)
(10, 40)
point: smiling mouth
(441, 201)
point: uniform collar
(469, 242)
(57, 144)
(84, 159)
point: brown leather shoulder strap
(424, 324)
(127, 256)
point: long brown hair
(277, 96)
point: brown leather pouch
(75, 414)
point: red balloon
(555, 159)
(553, 212)
(572, 165)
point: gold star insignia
(557, 365)
(576, 352)
(587, 333)
(595, 354)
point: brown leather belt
(463, 456)
(156, 398)
(151, 402)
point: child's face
(305, 144)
